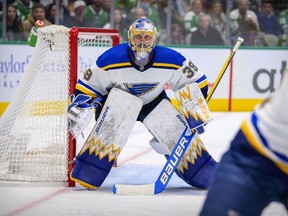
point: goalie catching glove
(80, 112)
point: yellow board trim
(3, 107)
(245, 104)
(215, 105)
(40, 108)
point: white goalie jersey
(115, 69)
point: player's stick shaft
(164, 177)
(225, 66)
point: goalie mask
(142, 36)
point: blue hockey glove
(80, 113)
(97, 102)
(81, 100)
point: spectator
(161, 7)
(151, 12)
(255, 5)
(253, 36)
(205, 34)
(14, 30)
(38, 13)
(207, 4)
(186, 5)
(218, 18)
(51, 12)
(125, 6)
(146, 9)
(241, 19)
(156, 12)
(179, 12)
(107, 6)
(95, 13)
(70, 5)
(268, 23)
(78, 17)
(136, 13)
(24, 8)
(177, 35)
(191, 19)
(283, 20)
(121, 24)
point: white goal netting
(33, 129)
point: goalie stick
(181, 146)
(225, 66)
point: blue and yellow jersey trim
(202, 82)
(166, 66)
(128, 64)
(117, 66)
(252, 133)
(117, 57)
(87, 89)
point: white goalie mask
(142, 36)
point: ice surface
(137, 164)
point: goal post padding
(35, 145)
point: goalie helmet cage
(35, 145)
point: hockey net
(35, 145)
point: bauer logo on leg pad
(107, 138)
(193, 105)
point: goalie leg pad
(107, 138)
(197, 166)
(166, 124)
(90, 171)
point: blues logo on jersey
(139, 89)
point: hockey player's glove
(80, 113)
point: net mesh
(33, 129)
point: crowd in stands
(193, 22)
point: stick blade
(122, 189)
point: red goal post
(74, 33)
(35, 145)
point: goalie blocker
(107, 138)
